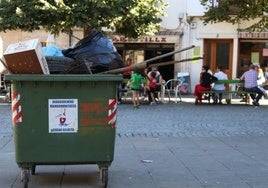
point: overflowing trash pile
(93, 54)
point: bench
(207, 95)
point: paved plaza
(167, 145)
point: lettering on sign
(253, 35)
(149, 39)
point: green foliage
(235, 11)
(132, 18)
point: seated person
(159, 80)
(205, 84)
(217, 98)
(250, 77)
(261, 79)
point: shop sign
(253, 35)
(146, 39)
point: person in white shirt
(158, 78)
(261, 79)
(217, 98)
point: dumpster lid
(64, 77)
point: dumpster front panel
(68, 122)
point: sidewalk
(200, 162)
(179, 147)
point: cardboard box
(26, 57)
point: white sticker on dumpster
(63, 115)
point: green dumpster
(64, 119)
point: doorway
(219, 52)
(166, 71)
(145, 51)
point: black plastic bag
(96, 52)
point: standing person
(127, 74)
(151, 87)
(220, 75)
(251, 85)
(135, 85)
(205, 84)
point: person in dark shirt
(205, 84)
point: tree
(132, 18)
(235, 11)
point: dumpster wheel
(25, 176)
(104, 176)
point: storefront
(149, 47)
(253, 48)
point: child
(135, 84)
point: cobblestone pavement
(163, 146)
(183, 119)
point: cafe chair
(170, 88)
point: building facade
(217, 44)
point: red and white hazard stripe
(16, 108)
(112, 110)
